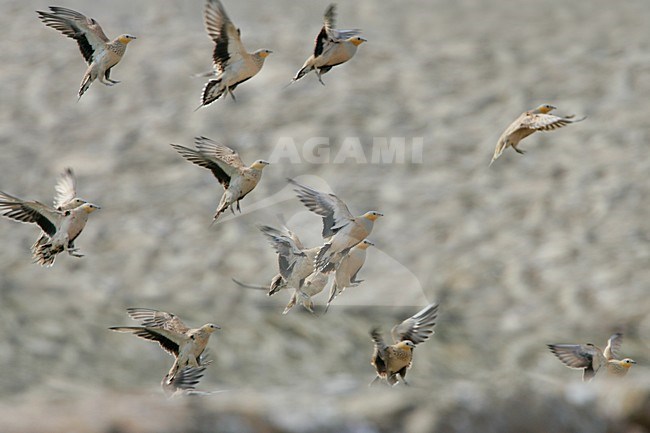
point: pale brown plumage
(527, 123)
(226, 165)
(591, 358)
(59, 228)
(65, 198)
(347, 271)
(100, 53)
(231, 62)
(313, 285)
(185, 344)
(392, 361)
(331, 48)
(185, 380)
(341, 229)
(295, 262)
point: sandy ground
(548, 247)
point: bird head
(372, 215)
(89, 207)
(356, 40)
(406, 345)
(259, 164)
(210, 328)
(263, 53)
(72, 204)
(125, 39)
(545, 108)
(365, 244)
(627, 362)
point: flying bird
(65, 198)
(59, 228)
(232, 64)
(185, 344)
(347, 271)
(332, 47)
(527, 123)
(226, 165)
(590, 358)
(312, 286)
(100, 53)
(295, 262)
(341, 229)
(185, 380)
(392, 362)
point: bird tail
(44, 253)
(302, 72)
(130, 329)
(277, 284)
(334, 291)
(85, 84)
(211, 92)
(206, 74)
(291, 303)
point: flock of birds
(306, 271)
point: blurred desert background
(550, 247)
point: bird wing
(380, 344)
(65, 189)
(228, 47)
(86, 31)
(334, 211)
(168, 341)
(227, 158)
(576, 355)
(613, 346)
(48, 219)
(545, 122)
(417, 328)
(184, 380)
(328, 36)
(202, 160)
(158, 319)
(287, 250)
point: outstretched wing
(417, 328)
(328, 35)
(546, 122)
(184, 381)
(158, 319)
(228, 48)
(86, 31)
(334, 211)
(202, 160)
(613, 346)
(227, 159)
(65, 189)
(48, 219)
(170, 342)
(287, 250)
(579, 356)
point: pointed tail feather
(301, 73)
(211, 92)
